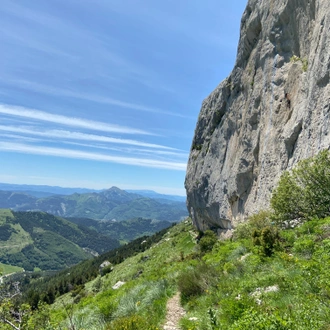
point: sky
(102, 93)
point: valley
(37, 240)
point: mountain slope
(39, 240)
(126, 230)
(148, 208)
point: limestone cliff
(272, 111)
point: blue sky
(101, 93)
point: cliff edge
(272, 111)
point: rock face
(272, 111)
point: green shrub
(207, 241)
(252, 319)
(304, 245)
(267, 239)
(194, 281)
(304, 193)
(233, 308)
(233, 267)
(256, 221)
(134, 322)
(303, 61)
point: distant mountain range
(154, 195)
(42, 190)
(45, 191)
(111, 204)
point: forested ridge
(39, 240)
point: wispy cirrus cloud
(55, 91)
(165, 19)
(13, 137)
(34, 44)
(68, 121)
(75, 154)
(130, 150)
(62, 134)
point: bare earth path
(174, 313)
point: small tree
(11, 315)
(207, 241)
(268, 239)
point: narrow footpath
(174, 313)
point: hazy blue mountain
(43, 190)
(154, 195)
(109, 204)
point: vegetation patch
(303, 61)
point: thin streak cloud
(130, 150)
(68, 153)
(91, 97)
(61, 134)
(67, 121)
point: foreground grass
(229, 284)
(150, 279)
(288, 290)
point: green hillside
(125, 231)
(39, 240)
(9, 269)
(149, 208)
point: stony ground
(174, 313)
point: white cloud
(68, 153)
(136, 151)
(61, 134)
(19, 137)
(67, 121)
(91, 97)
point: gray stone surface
(267, 115)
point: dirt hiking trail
(174, 313)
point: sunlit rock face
(272, 111)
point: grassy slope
(9, 269)
(18, 238)
(242, 296)
(234, 284)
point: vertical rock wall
(272, 111)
